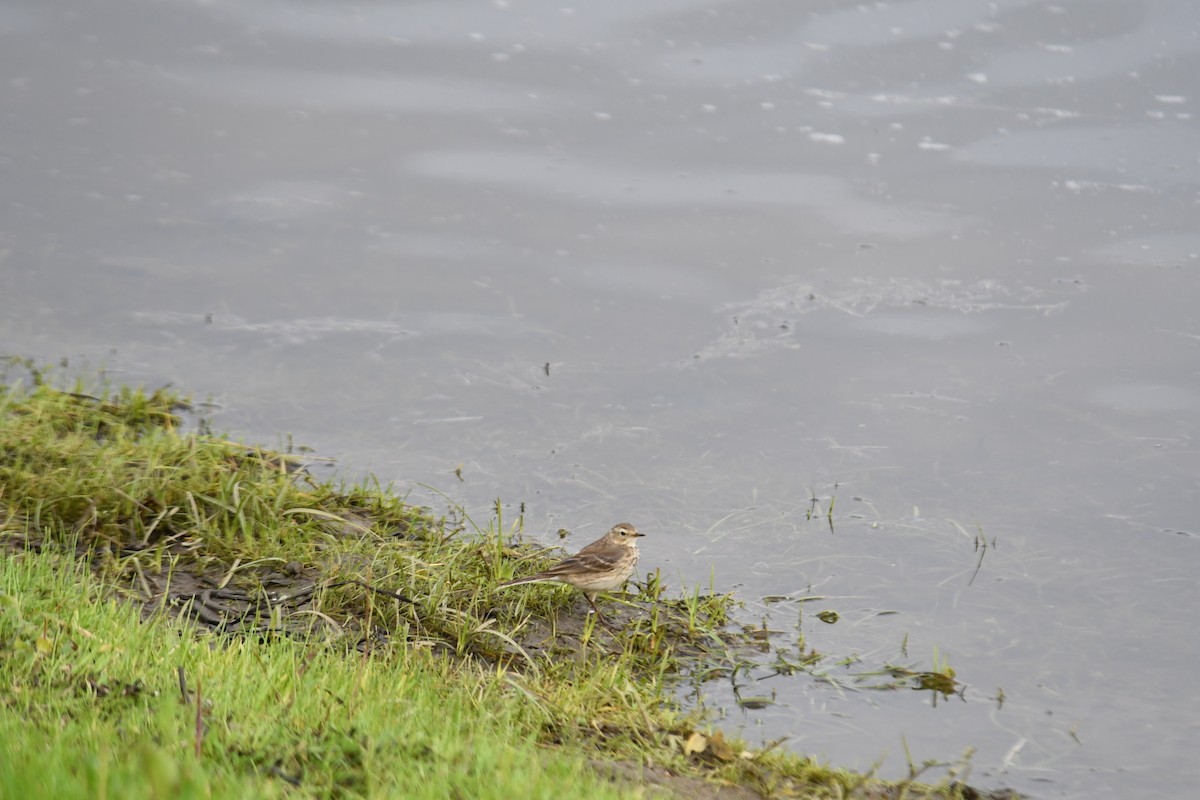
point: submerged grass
(303, 636)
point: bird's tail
(520, 581)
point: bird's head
(624, 533)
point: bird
(602, 566)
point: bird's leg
(591, 598)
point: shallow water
(690, 265)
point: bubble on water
(827, 138)
(1057, 113)
(1079, 187)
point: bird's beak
(638, 533)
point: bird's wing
(583, 561)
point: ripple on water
(1144, 397)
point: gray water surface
(690, 264)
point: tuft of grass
(310, 636)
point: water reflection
(629, 188)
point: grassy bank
(184, 615)
(94, 707)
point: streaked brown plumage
(602, 566)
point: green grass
(119, 530)
(90, 706)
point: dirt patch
(668, 784)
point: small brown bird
(602, 566)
